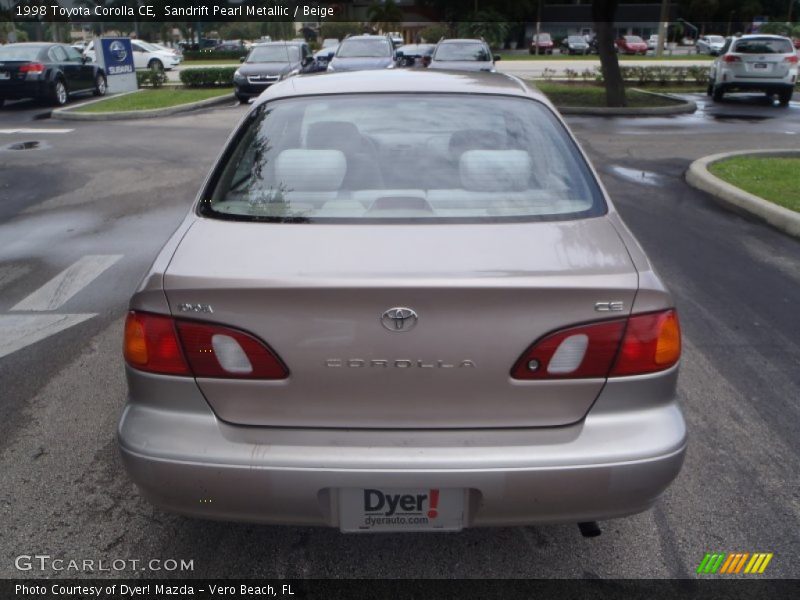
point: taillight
(731, 58)
(791, 59)
(639, 344)
(160, 344)
(34, 67)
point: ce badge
(399, 319)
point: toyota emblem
(399, 319)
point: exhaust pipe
(589, 529)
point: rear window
(277, 54)
(12, 52)
(465, 52)
(763, 46)
(398, 157)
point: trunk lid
(483, 293)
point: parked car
(761, 63)
(145, 56)
(574, 44)
(330, 43)
(397, 38)
(463, 55)
(176, 51)
(652, 42)
(267, 64)
(543, 42)
(487, 345)
(230, 46)
(710, 44)
(48, 72)
(631, 44)
(362, 52)
(415, 55)
(322, 57)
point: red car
(544, 42)
(631, 44)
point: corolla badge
(118, 51)
(399, 319)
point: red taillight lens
(652, 343)
(637, 345)
(160, 344)
(34, 67)
(791, 59)
(151, 344)
(215, 351)
(730, 58)
(583, 351)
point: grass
(622, 57)
(589, 95)
(154, 98)
(774, 179)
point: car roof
(290, 43)
(402, 81)
(462, 41)
(761, 35)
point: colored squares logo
(734, 563)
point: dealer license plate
(761, 66)
(401, 509)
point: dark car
(463, 55)
(230, 46)
(574, 44)
(267, 64)
(50, 72)
(415, 55)
(363, 52)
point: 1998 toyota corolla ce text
(402, 301)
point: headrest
(334, 135)
(301, 170)
(495, 170)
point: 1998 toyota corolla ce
(402, 301)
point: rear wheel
(785, 97)
(59, 95)
(155, 65)
(242, 99)
(717, 93)
(100, 85)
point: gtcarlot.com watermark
(46, 562)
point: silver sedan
(402, 301)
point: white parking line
(10, 131)
(69, 282)
(18, 331)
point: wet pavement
(101, 198)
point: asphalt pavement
(101, 198)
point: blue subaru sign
(116, 59)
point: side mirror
(241, 59)
(399, 55)
(85, 59)
(331, 55)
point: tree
(603, 12)
(385, 15)
(486, 24)
(340, 29)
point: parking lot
(109, 193)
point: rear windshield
(12, 52)
(364, 49)
(278, 54)
(763, 46)
(398, 157)
(462, 52)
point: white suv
(764, 63)
(145, 56)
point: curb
(69, 114)
(684, 107)
(737, 199)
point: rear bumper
(615, 462)
(18, 90)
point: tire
(717, 93)
(155, 65)
(100, 85)
(59, 95)
(785, 97)
(2, 101)
(242, 99)
(710, 89)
